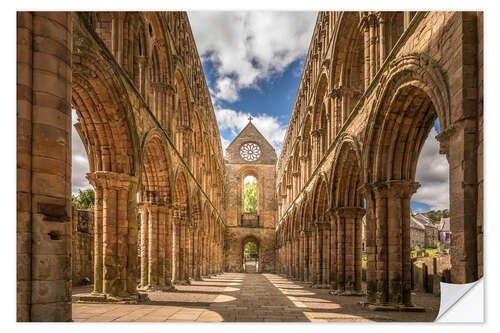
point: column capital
(316, 133)
(350, 212)
(111, 180)
(394, 188)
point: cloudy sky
(252, 63)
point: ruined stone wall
(82, 256)
(235, 240)
(427, 273)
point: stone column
(117, 247)
(153, 249)
(392, 213)
(43, 166)
(162, 244)
(459, 142)
(97, 236)
(349, 221)
(325, 272)
(316, 146)
(333, 249)
(366, 35)
(297, 258)
(169, 247)
(144, 208)
(373, 45)
(204, 256)
(371, 245)
(382, 40)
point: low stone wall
(427, 273)
(82, 257)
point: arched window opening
(250, 194)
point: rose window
(250, 152)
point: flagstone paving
(238, 297)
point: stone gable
(250, 134)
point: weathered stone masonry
(148, 126)
(372, 86)
(371, 89)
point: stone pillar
(366, 36)
(373, 45)
(43, 163)
(371, 245)
(333, 249)
(382, 39)
(301, 256)
(197, 255)
(162, 240)
(392, 214)
(97, 237)
(153, 248)
(169, 244)
(297, 258)
(144, 208)
(117, 247)
(325, 272)
(348, 255)
(316, 147)
(204, 258)
(459, 144)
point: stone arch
(105, 121)
(321, 117)
(349, 77)
(320, 198)
(254, 239)
(412, 94)
(135, 49)
(181, 121)
(155, 175)
(415, 84)
(306, 147)
(346, 174)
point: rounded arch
(412, 95)
(346, 174)
(105, 121)
(155, 175)
(196, 213)
(320, 199)
(181, 195)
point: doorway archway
(250, 255)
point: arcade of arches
(372, 87)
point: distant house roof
(444, 225)
(426, 221)
(416, 224)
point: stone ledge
(103, 298)
(390, 307)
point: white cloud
(79, 161)
(235, 121)
(245, 47)
(433, 175)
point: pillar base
(321, 286)
(104, 298)
(393, 307)
(182, 282)
(346, 293)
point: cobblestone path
(238, 297)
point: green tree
(251, 250)
(84, 199)
(250, 204)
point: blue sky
(253, 62)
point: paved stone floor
(237, 297)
